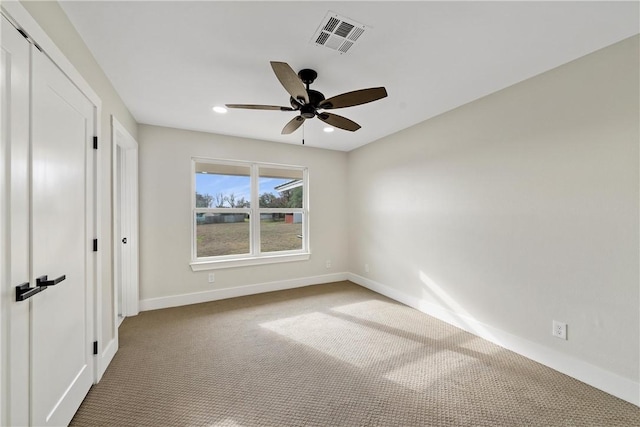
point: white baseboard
(599, 378)
(105, 357)
(239, 291)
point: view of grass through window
(224, 210)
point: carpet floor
(328, 355)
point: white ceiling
(172, 61)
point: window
(248, 213)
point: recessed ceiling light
(219, 109)
(328, 129)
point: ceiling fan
(308, 101)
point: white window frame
(255, 257)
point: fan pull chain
(302, 133)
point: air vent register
(338, 33)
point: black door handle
(42, 280)
(124, 240)
(23, 291)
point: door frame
(15, 330)
(4, 252)
(125, 215)
(20, 18)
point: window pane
(222, 186)
(280, 188)
(222, 234)
(280, 232)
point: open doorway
(125, 222)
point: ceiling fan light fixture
(328, 129)
(219, 109)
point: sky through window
(213, 184)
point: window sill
(244, 262)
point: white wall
(165, 211)
(55, 23)
(517, 209)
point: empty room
(316, 213)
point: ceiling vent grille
(338, 33)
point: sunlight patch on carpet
(425, 372)
(350, 342)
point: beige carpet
(328, 355)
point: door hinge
(95, 245)
(95, 347)
(95, 142)
(29, 39)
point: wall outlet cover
(559, 330)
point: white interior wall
(165, 213)
(515, 210)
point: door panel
(62, 315)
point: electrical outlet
(366, 268)
(328, 263)
(212, 277)
(559, 330)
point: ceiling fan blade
(357, 97)
(294, 124)
(290, 81)
(339, 121)
(259, 107)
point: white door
(125, 214)
(61, 196)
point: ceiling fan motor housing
(307, 76)
(308, 111)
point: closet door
(61, 195)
